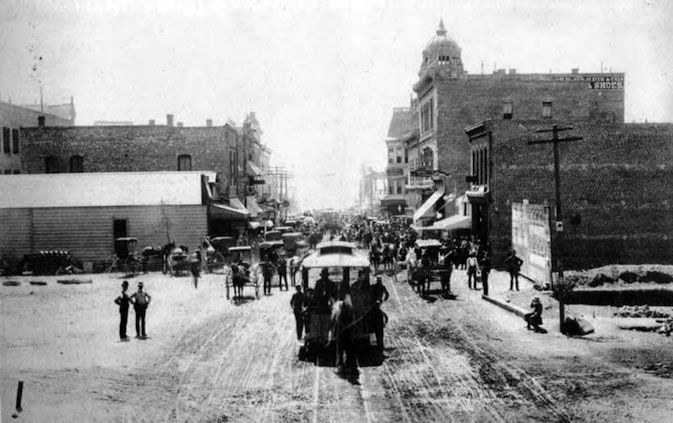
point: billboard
(531, 239)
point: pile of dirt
(618, 275)
(640, 311)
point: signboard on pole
(531, 239)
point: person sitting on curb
(534, 318)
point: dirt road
(210, 360)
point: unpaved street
(211, 360)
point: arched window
(51, 164)
(76, 164)
(184, 162)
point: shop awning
(425, 208)
(228, 212)
(236, 203)
(252, 206)
(253, 170)
(448, 224)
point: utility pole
(559, 214)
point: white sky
(321, 76)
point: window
(427, 159)
(15, 141)
(8, 171)
(391, 155)
(118, 228)
(507, 110)
(427, 116)
(184, 162)
(5, 140)
(399, 187)
(546, 109)
(76, 164)
(51, 164)
(17, 172)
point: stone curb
(509, 307)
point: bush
(656, 277)
(628, 277)
(600, 279)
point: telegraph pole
(559, 214)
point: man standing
(325, 289)
(123, 302)
(267, 273)
(297, 304)
(471, 264)
(140, 300)
(379, 295)
(448, 269)
(513, 265)
(485, 270)
(282, 273)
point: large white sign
(531, 239)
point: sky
(322, 77)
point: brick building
(237, 155)
(616, 187)
(14, 117)
(450, 99)
(394, 202)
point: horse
(341, 321)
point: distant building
(373, 187)
(84, 213)
(14, 117)
(394, 202)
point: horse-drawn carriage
(177, 261)
(428, 268)
(337, 276)
(242, 272)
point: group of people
(140, 301)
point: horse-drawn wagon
(335, 279)
(428, 267)
(242, 272)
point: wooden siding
(14, 233)
(87, 231)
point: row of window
(396, 186)
(427, 117)
(10, 171)
(508, 112)
(10, 140)
(480, 165)
(76, 164)
(395, 155)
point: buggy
(242, 272)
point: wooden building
(84, 212)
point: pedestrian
(123, 302)
(379, 294)
(485, 270)
(298, 305)
(268, 270)
(281, 267)
(513, 266)
(534, 318)
(195, 267)
(471, 264)
(448, 270)
(140, 300)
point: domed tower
(442, 55)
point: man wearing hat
(123, 302)
(298, 303)
(379, 294)
(325, 289)
(534, 318)
(140, 300)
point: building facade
(450, 100)
(13, 118)
(616, 187)
(394, 202)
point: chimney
(152, 122)
(575, 71)
(40, 121)
(179, 124)
(169, 120)
(209, 123)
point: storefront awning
(228, 212)
(253, 170)
(425, 208)
(448, 224)
(252, 206)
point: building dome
(442, 51)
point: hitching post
(559, 215)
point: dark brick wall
(616, 184)
(467, 101)
(129, 148)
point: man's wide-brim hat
(140, 284)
